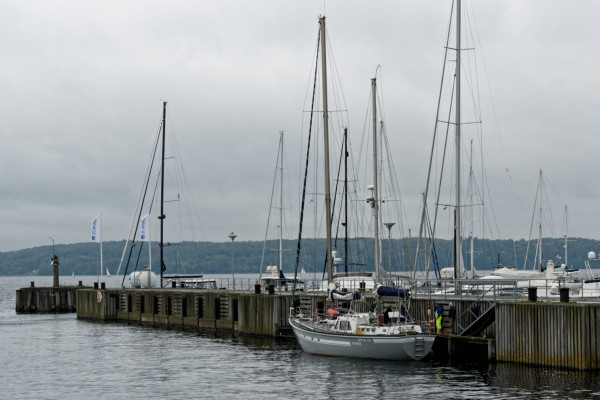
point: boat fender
(430, 320)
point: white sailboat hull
(383, 347)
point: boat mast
(280, 208)
(346, 200)
(540, 223)
(566, 232)
(458, 267)
(162, 195)
(471, 187)
(326, 150)
(375, 184)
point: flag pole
(96, 236)
(101, 265)
(97, 272)
(149, 251)
(145, 237)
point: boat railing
(459, 288)
(483, 302)
(249, 284)
(507, 289)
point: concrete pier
(550, 333)
(62, 299)
(215, 311)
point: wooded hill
(215, 258)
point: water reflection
(546, 381)
(59, 356)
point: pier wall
(564, 335)
(239, 312)
(214, 311)
(62, 299)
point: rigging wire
(516, 194)
(305, 178)
(433, 142)
(191, 208)
(136, 219)
(262, 259)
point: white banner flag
(145, 228)
(96, 229)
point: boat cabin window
(343, 325)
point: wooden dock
(549, 333)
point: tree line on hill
(216, 258)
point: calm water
(58, 356)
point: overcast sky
(82, 85)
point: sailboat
(456, 269)
(140, 231)
(276, 277)
(347, 333)
(148, 278)
(343, 278)
(107, 272)
(545, 272)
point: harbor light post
(232, 236)
(54, 262)
(389, 225)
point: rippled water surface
(58, 356)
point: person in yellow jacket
(438, 318)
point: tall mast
(540, 223)
(566, 233)
(280, 206)
(326, 150)
(162, 195)
(346, 200)
(471, 187)
(458, 267)
(375, 184)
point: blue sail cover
(285, 281)
(388, 291)
(335, 295)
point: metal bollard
(532, 291)
(564, 295)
